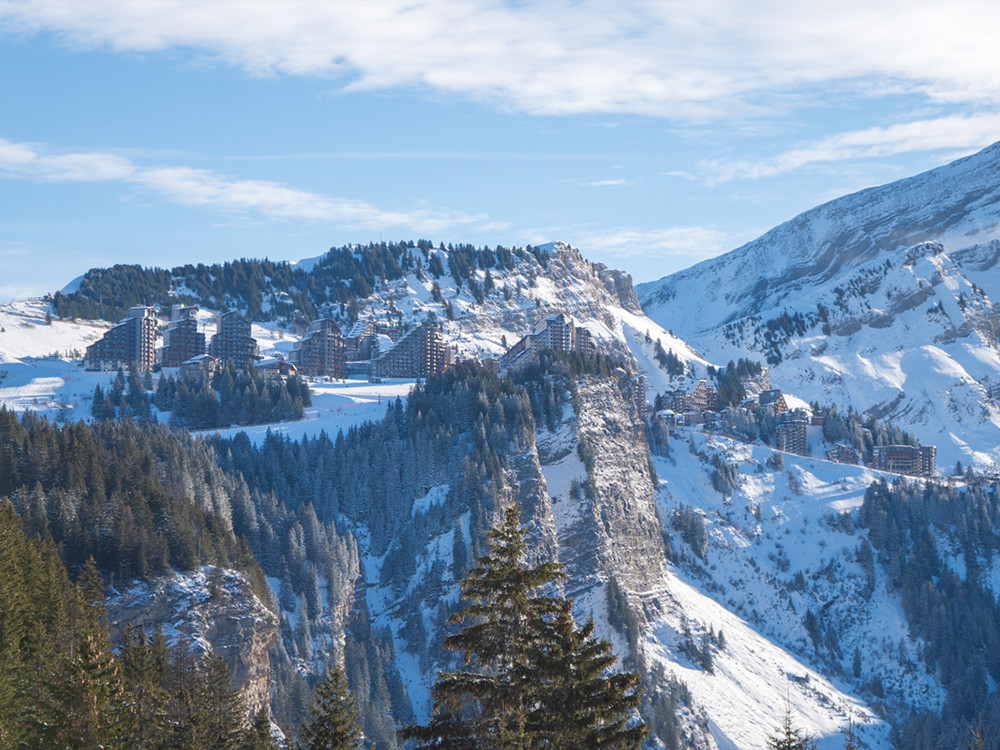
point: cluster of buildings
(369, 350)
(556, 332)
(132, 342)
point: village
(373, 351)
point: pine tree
(530, 676)
(259, 735)
(147, 719)
(216, 715)
(333, 723)
(790, 737)
(850, 740)
(577, 701)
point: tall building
(182, 340)
(914, 460)
(321, 353)
(790, 435)
(132, 342)
(558, 332)
(420, 353)
(233, 342)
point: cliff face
(603, 490)
(214, 610)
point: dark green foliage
(725, 476)
(120, 493)
(730, 389)
(61, 685)
(333, 723)
(957, 616)
(691, 525)
(668, 360)
(622, 617)
(530, 676)
(336, 281)
(234, 397)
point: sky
(650, 135)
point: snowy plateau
(750, 598)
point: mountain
(738, 580)
(882, 300)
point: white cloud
(605, 183)
(689, 243)
(715, 59)
(955, 132)
(204, 188)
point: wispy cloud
(204, 188)
(688, 243)
(954, 132)
(605, 183)
(683, 61)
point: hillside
(883, 300)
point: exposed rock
(216, 611)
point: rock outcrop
(214, 610)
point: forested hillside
(265, 290)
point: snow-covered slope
(882, 300)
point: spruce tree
(577, 701)
(259, 735)
(333, 723)
(531, 677)
(790, 737)
(485, 703)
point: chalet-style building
(773, 401)
(322, 352)
(130, 343)
(233, 342)
(182, 340)
(203, 364)
(275, 367)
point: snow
(336, 406)
(775, 526)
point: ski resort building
(130, 343)
(774, 401)
(558, 332)
(913, 460)
(196, 367)
(233, 342)
(790, 435)
(322, 352)
(420, 353)
(182, 340)
(843, 454)
(702, 398)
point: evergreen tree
(530, 676)
(850, 740)
(216, 713)
(259, 735)
(577, 701)
(789, 737)
(333, 723)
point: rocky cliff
(214, 610)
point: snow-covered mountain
(739, 581)
(883, 300)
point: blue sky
(649, 135)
